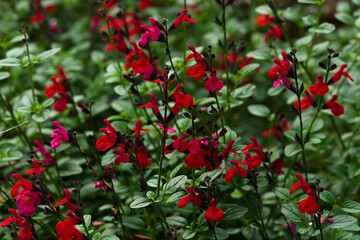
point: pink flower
(59, 134)
(214, 83)
(152, 32)
(40, 148)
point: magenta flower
(40, 148)
(214, 83)
(152, 32)
(59, 134)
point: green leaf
(48, 102)
(10, 155)
(291, 212)
(248, 69)
(178, 220)
(324, 28)
(244, 91)
(188, 234)
(275, 91)
(176, 197)
(259, 110)
(150, 195)
(133, 222)
(42, 116)
(87, 220)
(345, 18)
(4, 75)
(341, 221)
(292, 149)
(260, 54)
(308, 1)
(121, 89)
(119, 125)
(263, 9)
(176, 170)
(48, 53)
(234, 212)
(140, 202)
(351, 207)
(212, 174)
(153, 183)
(69, 168)
(327, 196)
(282, 193)
(109, 237)
(176, 182)
(10, 62)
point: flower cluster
(309, 204)
(60, 88)
(274, 31)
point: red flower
(25, 232)
(192, 197)
(119, 44)
(40, 148)
(309, 204)
(274, 31)
(102, 185)
(59, 88)
(232, 58)
(142, 65)
(305, 102)
(239, 170)
(278, 129)
(198, 71)
(214, 213)
(214, 83)
(109, 139)
(336, 108)
(22, 183)
(67, 200)
(66, 229)
(247, 62)
(336, 77)
(122, 156)
(259, 157)
(282, 67)
(110, 3)
(142, 157)
(277, 166)
(152, 32)
(319, 87)
(182, 17)
(38, 18)
(194, 160)
(264, 19)
(145, 4)
(36, 168)
(180, 144)
(183, 100)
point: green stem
(30, 68)
(301, 123)
(226, 54)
